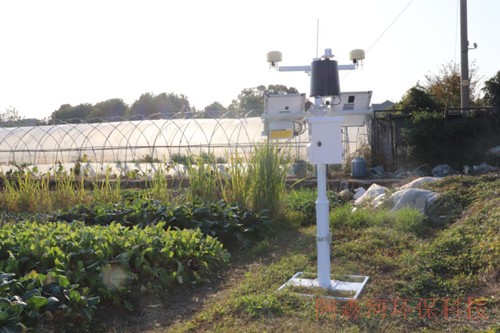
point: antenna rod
(317, 38)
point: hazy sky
(72, 51)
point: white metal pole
(323, 229)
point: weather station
(285, 117)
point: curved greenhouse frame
(138, 141)
(129, 140)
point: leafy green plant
(112, 262)
(182, 159)
(32, 298)
(210, 158)
(230, 223)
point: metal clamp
(325, 239)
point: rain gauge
(324, 147)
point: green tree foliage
(214, 110)
(111, 109)
(252, 99)
(166, 105)
(417, 98)
(491, 91)
(439, 91)
(445, 85)
(72, 114)
(161, 106)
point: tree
(110, 109)
(445, 85)
(171, 105)
(491, 91)
(439, 91)
(160, 106)
(417, 98)
(72, 114)
(214, 110)
(10, 115)
(252, 99)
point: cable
(383, 33)
(389, 26)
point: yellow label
(280, 134)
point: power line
(384, 32)
(389, 26)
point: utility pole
(464, 76)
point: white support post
(325, 146)
(323, 229)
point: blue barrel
(358, 167)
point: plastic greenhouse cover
(135, 141)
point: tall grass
(33, 192)
(23, 194)
(257, 183)
(204, 180)
(235, 184)
(68, 189)
(106, 190)
(267, 171)
(26, 191)
(157, 187)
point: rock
(377, 171)
(417, 183)
(495, 151)
(379, 200)
(483, 168)
(373, 191)
(358, 193)
(412, 197)
(345, 194)
(441, 170)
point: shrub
(434, 138)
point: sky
(56, 52)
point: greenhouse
(133, 143)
